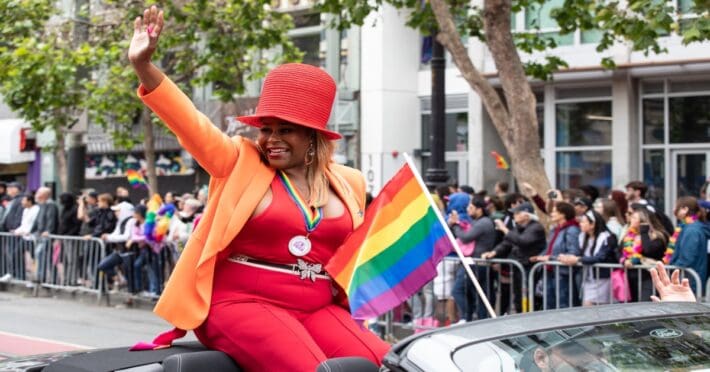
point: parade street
(36, 325)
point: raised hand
(146, 32)
(670, 289)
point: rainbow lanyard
(312, 216)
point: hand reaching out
(670, 289)
(146, 32)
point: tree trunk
(60, 159)
(517, 124)
(149, 151)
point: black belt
(301, 268)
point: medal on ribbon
(299, 245)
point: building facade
(648, 119)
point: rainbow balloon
(135, 179)
(500, 161)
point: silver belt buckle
(307, 270)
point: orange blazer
(239, 180)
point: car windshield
(678, 344)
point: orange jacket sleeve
(214, 150)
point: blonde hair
(316, 172)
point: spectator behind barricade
(564, 240)
(122, 195)
(500, 189)
(582, 205)
(510, 202)
(47, 223)
(102, 220)
(525, 239)
(135, 245)
(619, 197)
(182, 224)
(146, 256)
(467, 189)
(171, 197)
(615, 222)
(4, 204)
(531, 194)
(442, 193)
(636, 193)
(3, 190)
(87, 204)
(689, 243)
(448, 276)
(644, 243)
(12, 218)
(69, 223)
(591, 192)
(30, 210)
(496, 208)
(598, 245)
(121, 233)
(483, 233)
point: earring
(310, 155)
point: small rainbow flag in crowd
(396, 249)
(501, 163)
(135, 179)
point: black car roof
(541, 321)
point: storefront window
(456, 131)
(654, 176)
(689, 119)
(653, 121)
(578, 168)
(584, 123)
(310, 46)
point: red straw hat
(298, 93)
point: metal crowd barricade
(16, 257)
(496, 277)
(561, 278)
(70, 263)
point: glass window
(651, 87)
(456, 132)
(538, 16)
(578, 168)
(691, 173)
(685, 6)
(310, 46)
(583, 123)
(689, 119)
(673, 344)
(653, 121)
(591, 36)
(654, 176)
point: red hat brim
(255, 121)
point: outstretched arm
(670, 289)
(214, 150)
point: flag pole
(450, 235)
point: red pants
(271, 321)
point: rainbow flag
(501, 163)
(135, 179)
(396, 249)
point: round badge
(299, 246)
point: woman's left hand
(670, 289)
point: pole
(436, 173)
(459, 253)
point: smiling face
(285, 145)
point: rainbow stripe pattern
(312, 216)
(501, 163)
(135, 179)
(396, 249)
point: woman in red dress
(250, 281)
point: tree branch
(449, 37)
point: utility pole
(436, 174)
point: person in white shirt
(29, 215)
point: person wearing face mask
(250, 281)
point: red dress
(274, 321)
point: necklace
(300, 245)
